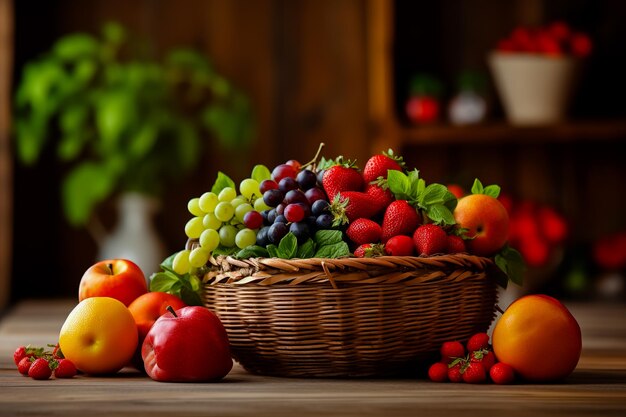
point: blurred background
(104, 101)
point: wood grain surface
(596, 388)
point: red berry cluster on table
(473, 363)
(554, 39)
(38, 363)
(330, 208)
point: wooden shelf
(502, 132)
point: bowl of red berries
(536, 70)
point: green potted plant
(123, 120)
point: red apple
(486, 221)
(186, 345)
(116, 278)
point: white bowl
(534, 89)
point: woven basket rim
(347, 270)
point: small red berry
(451, 350)
(502, 373)
(40, 369)
(400, 245)
(454, 373)
(474, 373)
(65, 369)
(438, 372)
(484, 357)
(24, 365)
(19, 354)
(477, 342)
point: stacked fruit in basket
(329, 208)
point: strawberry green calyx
(340, 160)
(338, 210)
(434, 201)
(372, 250)
(398, 158)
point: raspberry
(502, 374)
(451, 350)
(474, 373)
(454, 373)
(477, 342)
(485, 357)
(65, 369)
(438, 372)
(24, 365)
(40, 369)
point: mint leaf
(511, 262)
(163, 281)
(327, 237)
(434, 194)
(492, 190)
(260, 173)
(187, 287)
(273, 251)
(306, 250)
(222, 182)
(440, 214)
(477, 187)
(167, 263)
(288, 246)
(398, 184)
(253, 251)
(223, 250)
(335, 250)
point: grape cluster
(226, 219)
(298, 205)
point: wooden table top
(596, 388)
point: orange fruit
(99, 335)
(486, 221)
(539, 337)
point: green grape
(211, 222)
(224, 211)
(245, 237)
(180, 264)
(237, 201)
(260, 206)
(194, 227)
(199, 257)
(208, 201)
(194, 207)
(227, 194)
(241, 211)
(227, 235)
(249, 188)
(209, 239)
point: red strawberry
(474, 373)
(438, 372)
(65, 369)
(454, 373)
(478, 341)
(24, 365)
(401, 245)
(378, 165)
(338, 179)
(363, 231)
(580, 45)
(456, 244)
(40, 369)
(451, 350)
(19, 354)
(502, 373)
(381, 197)
(457, 190)
(485, 357)
(400, 219)
(368, 250)
(429, 239)
(351, 205)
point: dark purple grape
(265, 213)
(314, 194)
(320, 176)
(300, 230)
(319, 207)
(280, 218)
(306, 179)
(273, 197)
(262, 238)
(271, 216)
(310, 221)
(324, 221)
(276, 232)
(287, 184)
(295, 196)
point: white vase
(134, 236)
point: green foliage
(121, 119)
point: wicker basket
(350, 317)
